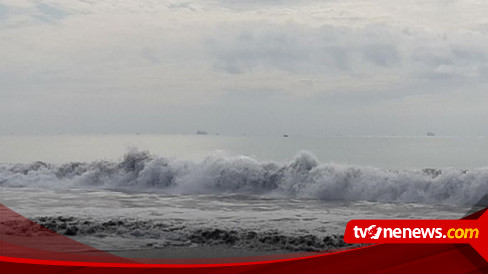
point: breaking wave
(303, 177)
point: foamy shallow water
(116, 221)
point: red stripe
(138, 265)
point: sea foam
(303, 177)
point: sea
(175, 196)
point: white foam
(303, 177)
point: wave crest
(303, 177)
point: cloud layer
(309, 67)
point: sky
(259, 67)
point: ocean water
(383, 152)
(260, 194)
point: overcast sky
(378, 67)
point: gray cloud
(50, 12)
(303, 50)
(350, 67)
(329, 49)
